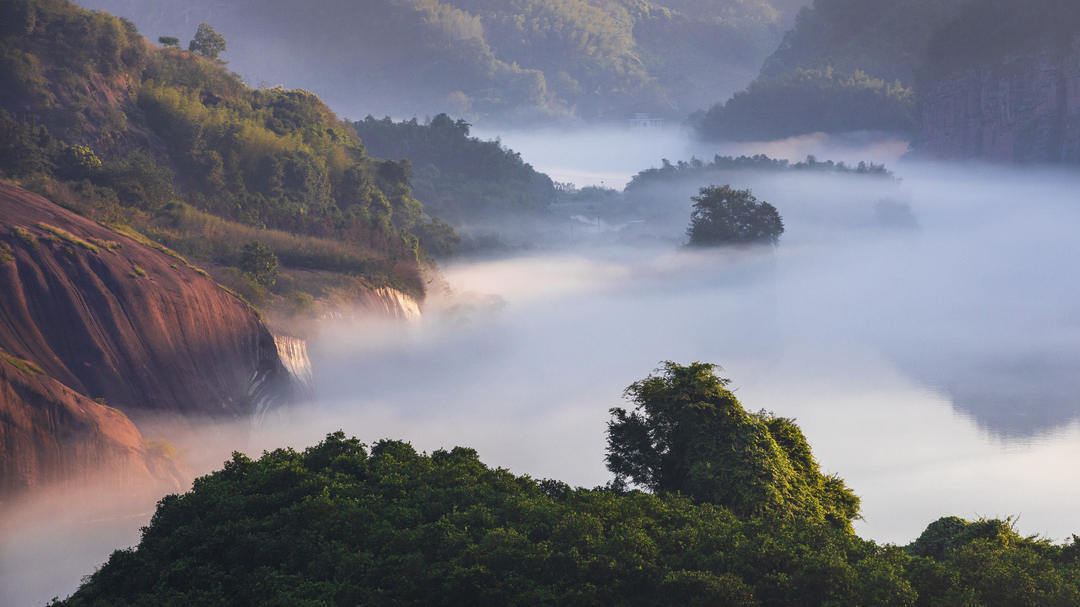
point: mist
(608, 155)
(930, 361)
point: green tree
(78, 162)
(170, 41)
(689, 434)
(723, 216)
(207, 42)
(260, 263)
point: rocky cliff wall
(1025, 108)
(50, 434)
(102, 336)
(115, 319)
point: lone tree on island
(207, 42)
(725, 216)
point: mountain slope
(846, 65)
(508, 60)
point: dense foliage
(337, 524)
(847, 65)
(726, 216)
(511, 59)
(459, 178)
(94, 115)
(689, 434)
(809, 101)
(695, 168)
(884, 38)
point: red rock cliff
(98, 330)
(115, 319)
(50, 434)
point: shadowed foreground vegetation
(740, 515)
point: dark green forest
(885, 39)
(459, 178)
(846, 65)
(510, 60)
(810, 101)
(850, 65)
(168, 142)
(669, 173)
(736, 512)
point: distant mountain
(510, 60)
(883, 38)
(1002, 82)
(847, 65)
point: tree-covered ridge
(142, 133)
(847, 65)
(516, 59)
(339, 524)
(810, 101)
(884, 38)
(459, 177)
(681, 170)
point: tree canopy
(687, 433)
(459, 177)
(726, 216)
(342, 524)
(207, 42)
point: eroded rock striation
(114, 319)
(51, 434)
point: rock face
(294, 355)
(99, 330)
(49, 434)
(112, 318)
(1025, 108)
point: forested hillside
(168, 142)
(460, 178)
(738, 514)
(847, 65)
(511, 60)
(885, 39)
